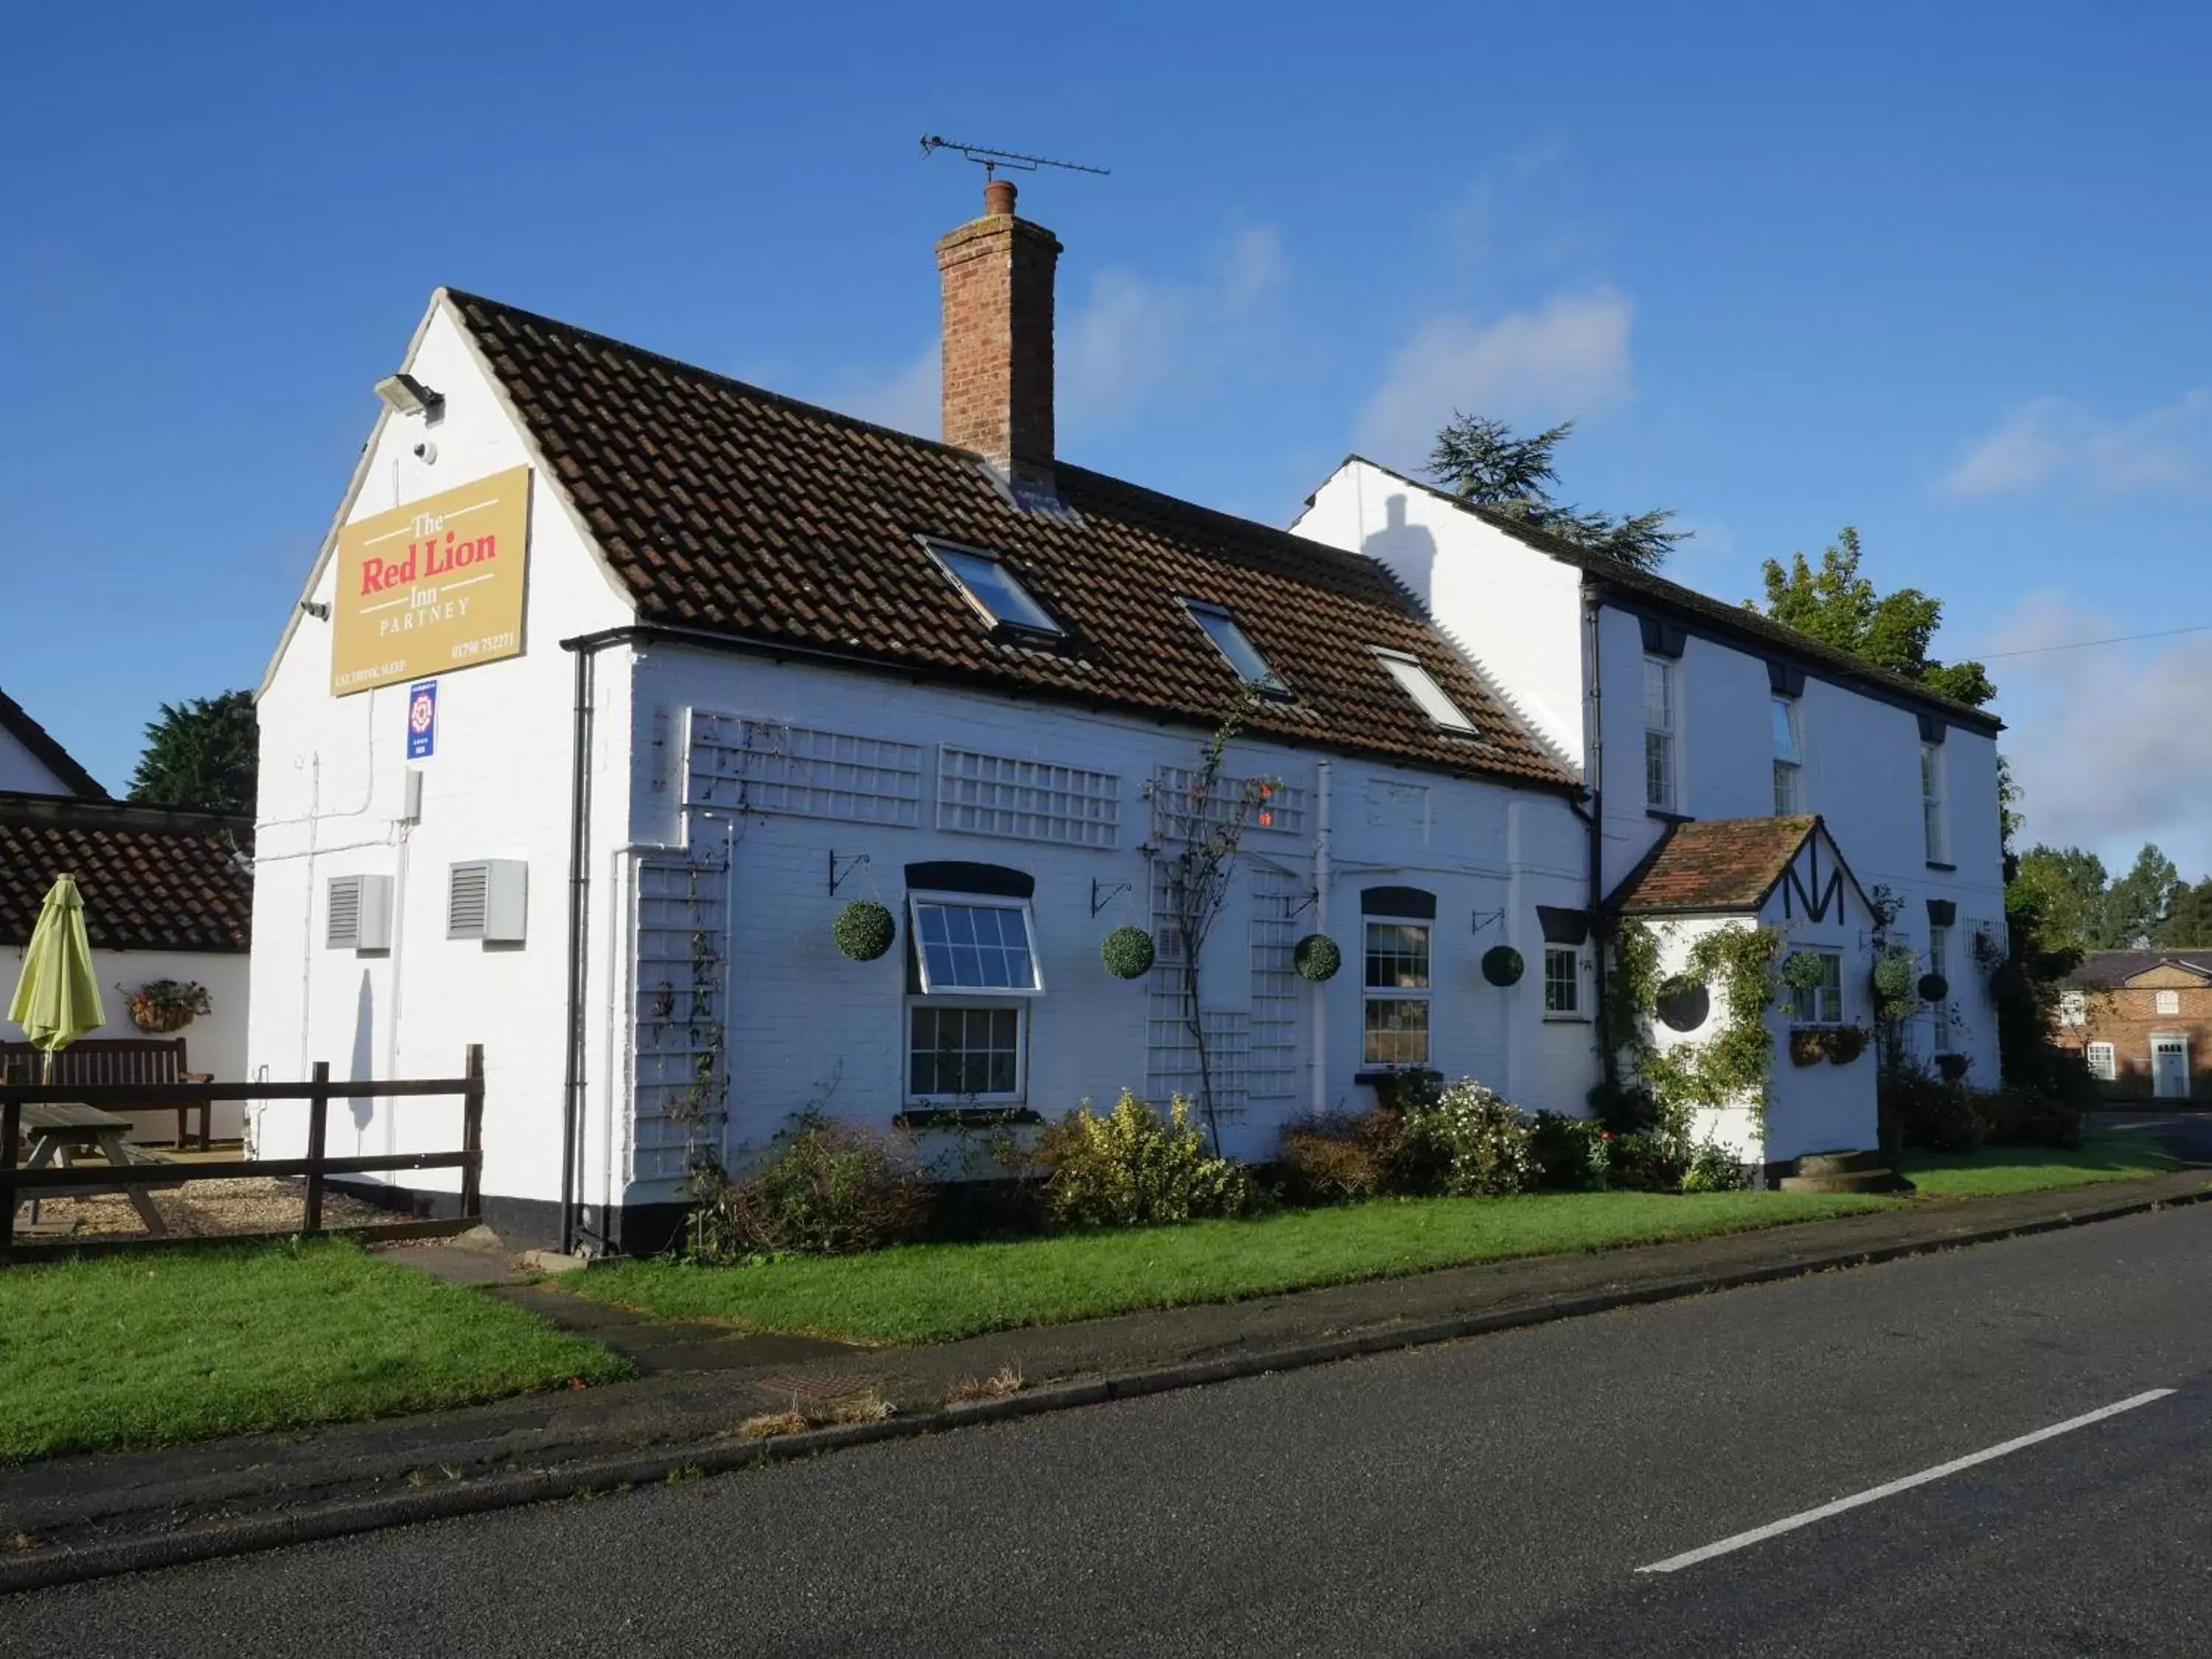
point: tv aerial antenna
(1013, 160)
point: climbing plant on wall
(1731, 1067)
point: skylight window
(993, 590)
(1424, 689)
(1242, 655)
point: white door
(2169, 1067)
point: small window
(1659, 709)
(1242, 655)
(964, 945)
(2102, 1066)
(2073, 1008)
(958, 1053)
(1398, 992)
(1563, 983)
(994, 590)
(1788, 758)
(1931, 801)
(1420, 685)
(2169, 1002)
(1821, 1003)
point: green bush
(1133, 1168)
(1470, 1143)
(1930, 1112)
(1574, 1154)
(1409, 1090)
(1713, 1169)
(822, 1188)
(1338, 1158)
(2027, 1117)
(1625, 1108)
(1648, 1161)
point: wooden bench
(149, 1061)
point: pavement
(83, 1516)
(1497, 1496)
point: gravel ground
(205, 1209)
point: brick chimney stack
(997, 273)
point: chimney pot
(999, 196)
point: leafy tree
(1484, 463)
(1836, 604)
(2068, 886)
(2136, 907)
(201, 756)
(2189, 918)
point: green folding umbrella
(57, 1000)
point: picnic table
(56, 1132)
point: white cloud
(2094, 739)
(1569, 358)
(1131, 338)
(2049, 440)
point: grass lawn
(122, 1350)
(2104, 1155)
(940, 1292)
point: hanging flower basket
(1808, 1046)
(1317, 957)
(1952, 1068)
(1127, 952)
(1804, 970)
(1934, 988)
(1846, 1044)
(1892, 977)
(1502, 965)
(163, 1005)
(864, 930)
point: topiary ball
(1934, 988)
(1127, 952)
(1892, 978)
(1502, 965)
(1317, 957)
(864, 930)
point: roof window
(1242, 654)
(994, 590)
(1421, 687)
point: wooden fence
(18, 1183)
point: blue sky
(1937, 271)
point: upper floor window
(994, 590)
(1788, 758)
(2169, 1002)
(1661, 701)
(1820, 1003)
(1242, 654)
(1931, 801)
(1420, 685)
(2073, 1008)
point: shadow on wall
(1407, 550)
(364, 1028)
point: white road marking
(1776, 1529)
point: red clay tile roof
(18, 724)
(732, 510)
(152, 880)
(1717, 864)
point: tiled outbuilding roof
(18, 724)
(2109, 968)
(152, 880)
(1755, 628)
(750, 516)
(1717, 864)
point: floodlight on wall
(402, 394)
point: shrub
(1572, 1153)
(1338, 1158)
(823, 1188)
(1470, 1143)
(1647, 1161)
(1409, 1090)
(1713, 1169)
(1133, 1168)
(1930, 1112)
(2027, 1117)
(1625, 1108)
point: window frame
(2111, 1070)
(1411, 676)
(1801, 999)
(1424, 993)
(956, 1003)
(919, 897)
(2166, 1002)
(1267, 683)
(1789, 769)
(1667, 730)
(1046, 627)
(2073, 1007)
(1575, 957)
(1934, 818)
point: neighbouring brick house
(2143, 1020)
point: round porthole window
(1684, 1006)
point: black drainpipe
(587, 648)
(1594, 783)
